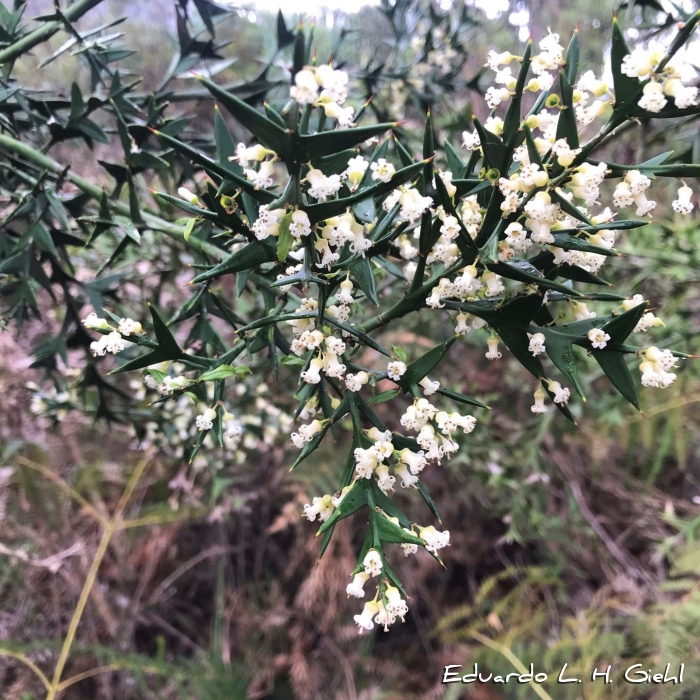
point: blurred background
(573, 544)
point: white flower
(636, 300)
(683, 96)
(682, 204)
(493, 353)
(396, 370)
(382, 170)
(113, 342)
(413, 204)
(365, 620)
(407, 478)
(384, 618)
(256, 153)
(328, 256)
(322, 186)
(312, 374)
(539, 406)
(581, 311)
(366, 461)
(188, 196)
(494, 285)
(647, 321)
(334, 83)
(344, 115)
(517, 237)
(653, 99)
(565, 155)
(332, 367)
(98, 347)
(356, 588)
(655, 366)
(415, 461)
(640, 63)
(536, 346)
(462, 328)
(408, 549)
(322, 507)
(267, 223)
(128, 327)
(561, 394)
(589, 83)
(263, 177)
(300, 226)
(494, 125)
(355, 170)
(396, 604)
(494, 96)
(429, 388)
(372, 563)
(471, 140)
(443, 289)
(598, 337)
(305, 88)
(344, 296)
(206, 420)
(385, 481)
(93, 322)
(494, 60)
(434, 540)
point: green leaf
(567, 206)
(166, 341)
(246, 258)
(353, 500)
(429, 500)
(511, 123)
(226, 171)
(363, 274)
(285, 241)
(188, 228)
(616, 370)
(225, 146)
(564, 240)
(572, 56)
(223, 372)
(529, 275)
(464, 240)
(42, 238)
(425, 364)
(627, 89)
(394, 534)
(265, 130)
(621, 326)
(517, 342)
(532, 151)
(495, 151)
(461, 398)
(399, 352)
(566, 126)
(560, 351)
(326, 142)
(457, 167)
(366, 339)
(284, 36)
(384, 396)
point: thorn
(642, 412)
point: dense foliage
(304, 245)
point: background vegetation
(569, 544)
